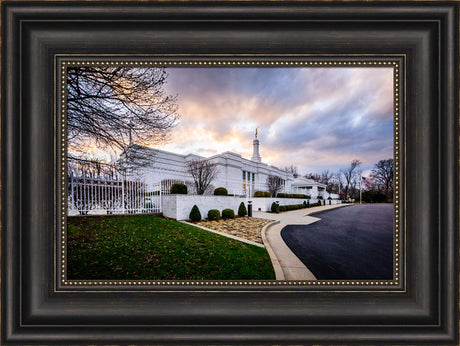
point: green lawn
(146, 247)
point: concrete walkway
(286, 264)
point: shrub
(282, 208)
(329, 197)
(228, 214)
(178, 189)
(213, 214)
(319, 197)
(195, 214)
(273, 207)
(292, 195)
(262, 194)
(304, 204)
(242, 211)
(220, 191)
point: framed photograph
(249, 214)
(230, 172)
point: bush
(282, 208)
(319, 197)
(178, 189)
(373, 197)
(329, 197)
(262, 194)
(213, 214)
(292, 195)
(220, 191)
(228, 214)
(242, 211)
(195, 214)
(273, 207)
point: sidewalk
(286, 264)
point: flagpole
(360, 187)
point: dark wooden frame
(423, 310)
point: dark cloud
(315, 116)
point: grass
(146, 247)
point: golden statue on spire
(256, 130)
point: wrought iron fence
(107, 195)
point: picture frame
(38, 309)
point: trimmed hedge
(242, 211)
(296, 206)
(213, 214)
(319, 197)
(292, 195)
(262, 194)
(228, 214)
(195, 214)
(178, 189)
(220, 191)
(273, 207)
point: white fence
(101, 195)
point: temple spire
(255, 149)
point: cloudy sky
(312, 118)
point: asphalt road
(354, 243)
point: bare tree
(203, 173)
(335, 183)
(325, 179)
(382, 176)
(293, 170)
(134, 157)
(313, 176)
(113, 107)
(350, 174)
(274, 184)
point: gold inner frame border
(392, 61)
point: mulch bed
(244, 227)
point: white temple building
(240, 176)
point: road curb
(279, 274)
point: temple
(240, 176)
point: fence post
(160, 195)
(122, 193)
(72, 192)
(83, 206)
